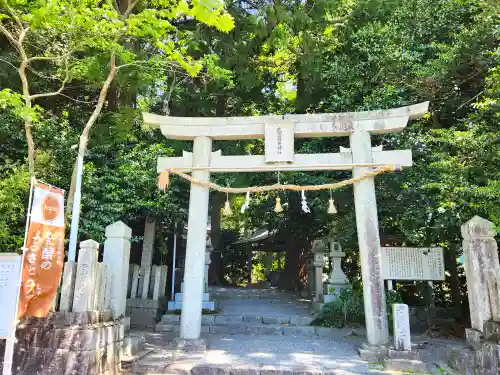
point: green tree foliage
(281, 57)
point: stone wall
(482, 355)
(70, 343)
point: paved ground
(307, 352)
(279, 354)
(268, 354)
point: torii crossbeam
(279, 133)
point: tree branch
(129, 10)
(84, 137)
(9, 63)
(45, 58)
(13, 14)
(9, 36)
(63, 84)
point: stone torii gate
(279, 133)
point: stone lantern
(208, 252)
(337, 279)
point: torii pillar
(194, 267)
(279, 136)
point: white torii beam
(311, 125)
(302, 162)
(360, 157)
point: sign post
(10, 271)
(28, 282)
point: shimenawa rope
(164, 179)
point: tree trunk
(84, 137)
(216, 269)
(451, 266)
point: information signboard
(412, 263)
(10, 269)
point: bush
(348, 309)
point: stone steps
(258, 329)
(238, 319)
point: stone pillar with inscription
(147, 256)
(482, 271)
(377, 330)
(196, 243)
(85, 283)
(163, 282)
(67, 286)
(117, 257)
(400, 357)
(135, 280)
(157, 282)
(480, 263)
(401, 322)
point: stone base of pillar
(373, 353)
(86, 343)
(145, 312)
(481, 355)
(68, 286)
(206, 305)
(176, 304)
(316, 305)
(404, 361)
(178, 297)
(412, 366)
(332, 291)
(189, 346)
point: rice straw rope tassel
(164, 180)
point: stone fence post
(86, 273)
(318, 250)
(481, 267)
(135, 281)
(117, 257)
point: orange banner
(43, 253)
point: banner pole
(11, 339)
(172, 297)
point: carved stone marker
(494, 293)
(163, 282)
(86, 270)
(117, 257)
(157, 282)
(402, 338)
(135, 281)
(480, 263)
(147, 256)
(67, 286)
